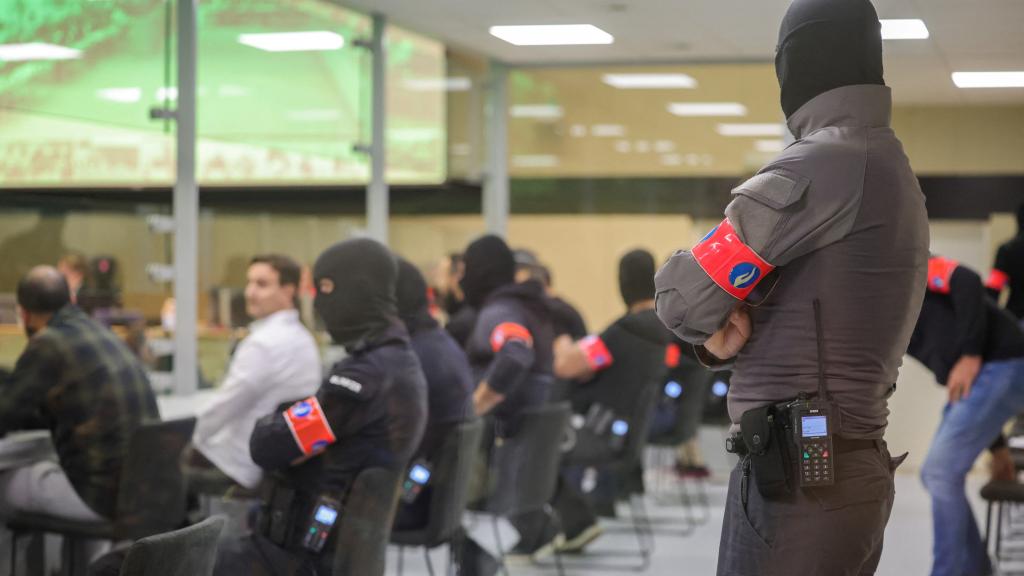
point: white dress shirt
(278, 362)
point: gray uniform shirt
(842, 217)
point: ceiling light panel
(552, 35)
(649, 81)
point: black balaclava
(636, 277)
(489, 265)
(1020, 218)
(826, 44)
(355, 290)
(413, 304)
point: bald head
(43, 291)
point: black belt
(736, 445)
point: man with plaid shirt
(80, 381)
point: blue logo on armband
(301, 410)
(319, 445)
(744, 274)
(709, 234)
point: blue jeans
(967, 428)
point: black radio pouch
(764, 433)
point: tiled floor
(907, 552)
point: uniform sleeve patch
(508, 332)
(940, 272)
(672, 355)
(598, 355)
(309, 426)
(730, 263)
(997, 280)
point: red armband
(940, 271)
(730, 263)
(507, 332)
(672, 355)
(997, 280)
(309, 426)
(598, 356)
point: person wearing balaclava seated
(614, 375)
(369, 412)
(510, 352)
(449, 384)
(810, 289)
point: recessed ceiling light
(121, 95)
(552, 35)
(707, 109)
(535, 161)
(293, 41)
(989, 79)
(453, 84)
(904, 29)
(649, 81)
(539, 111)
(37, 51)
(769, 145)
(751, 129)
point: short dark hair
(288, 270)
(43, 291)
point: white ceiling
(965, 35)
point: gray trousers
(827, 531)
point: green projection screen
(283, 96)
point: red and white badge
(997, 280)
(672, 355)
(309, 426)
(730, 263)
(940, 272)
(598, 355)
(507, 332)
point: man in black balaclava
(1008, 271)
(832, 234)
(449, 382)
(615, 376)
(510, 352)
(369, 412)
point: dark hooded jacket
(510, 347)
(374, 400)
(1008, 271)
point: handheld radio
(325, 514)
(812, 426)
(415, 481)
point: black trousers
(827, 531)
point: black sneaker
(524, 553)
(576, 542)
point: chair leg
(430, 565)
(988, 526)
(498, 545)
(401, 560)
(999, 531)
(556, 521)
(14, 552)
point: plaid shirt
(78, 379)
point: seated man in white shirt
(278, 362)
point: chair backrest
(190, 551)
(452, 470)
(640, 420)
(695, 381)
(360, 548)
(152, 493)
(525, 467)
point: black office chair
(448, 497)
(361, 540)
(525, 469)
(190, 551)
(151, 495)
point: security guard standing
(1008, 272)
(369, 412)
(511, 353)
(976, 350)
(811, 287)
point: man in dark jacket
(370, 412)
(616, 375)
(1008, 272)
(510, 352)
(449, 382)
(976, 350)
(837, 219)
